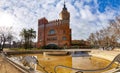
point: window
(52, 31)
(64, 38)
(40, 40)
(52, 39)
(40, 34)
(64, 32)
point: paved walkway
(6, 67)
(109, 55)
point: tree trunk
(2, 46)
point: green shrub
(51, 46)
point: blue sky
(86, 15)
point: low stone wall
(18, 66)
(56, 53)
(23, 52)
(21, 68)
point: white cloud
(27, 12)
(8, 20)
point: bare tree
(92, 39)
(107, 37)
(5, 36)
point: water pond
(86, 62)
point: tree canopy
(28, 35)
(107, 37)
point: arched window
(52, 31)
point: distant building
(56, 32)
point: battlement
(42, 21)
(57, 22)
(53, 21)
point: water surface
(49, 62)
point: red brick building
(56, 32)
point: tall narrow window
(52, 31)
(64, 32)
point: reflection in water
(80, 54)
(49, 62)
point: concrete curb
(17, 66)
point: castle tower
(64, 14)
(55, 32)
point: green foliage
(22, 49)
(28, 36)
(51, 46)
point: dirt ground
(6, 67)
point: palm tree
(25, 37)
(28, 36)
(32, 35)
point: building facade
(56, 32)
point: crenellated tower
(55, 32)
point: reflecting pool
(85, 62)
